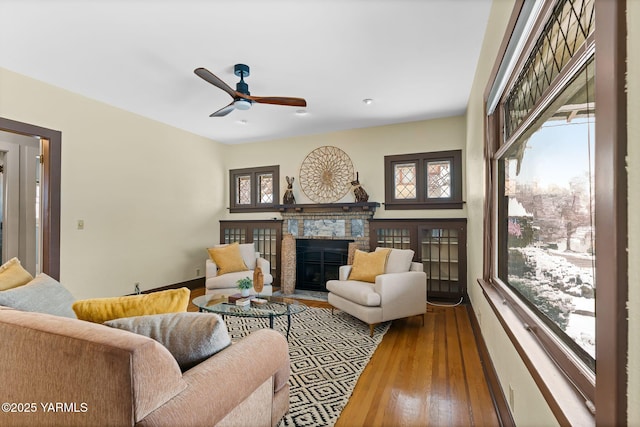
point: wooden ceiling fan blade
(208, 76)
(276, 100)
(223, 111)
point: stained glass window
(266, 188)
(405, 181)
(244, 190)
(254, 189)
(439, 179)
(571, 23)
(430, 180)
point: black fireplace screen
(318, 261)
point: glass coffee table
(274, 307)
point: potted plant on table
(244, 285)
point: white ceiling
(415, 58)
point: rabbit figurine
(289, 198)
(358, 191)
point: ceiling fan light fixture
(242, 104)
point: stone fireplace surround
(331, 221)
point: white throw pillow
(399, 260)
(248, 252)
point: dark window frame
(255, 205)
(611, 232)
(422, 201)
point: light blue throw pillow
(43, 294)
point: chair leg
(422, 319)
(332, 311)
(371, 328)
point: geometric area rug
(328, 353)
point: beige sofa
(67, 372)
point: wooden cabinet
(439, 244)
(266, 236)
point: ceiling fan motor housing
(242, 71)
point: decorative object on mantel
(289, 198)
(258, 280)
(244, 285)
(325, 174)
(358, 191)
(288, 264)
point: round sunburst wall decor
(326, 174)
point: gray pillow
(43, 294)
(190, 337)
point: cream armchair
(400, 292)
(225, 284)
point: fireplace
(316, 241)
(318, 261)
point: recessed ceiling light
(242, 122)
(301, 112)
(368, 101)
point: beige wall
(365, 147)
(530, 408)
(149, 194)
(633, 96)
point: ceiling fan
(242, 99)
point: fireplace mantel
(330, 207)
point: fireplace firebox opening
(319, 260)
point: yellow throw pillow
(99, 310)
(12, 275)
(228, 258)
(368, 265)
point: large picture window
(546, 251)
(556, 236)
(555, 209)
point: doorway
(48, 233)
(20, 173)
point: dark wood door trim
(52, 158)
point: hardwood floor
(427, 375)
